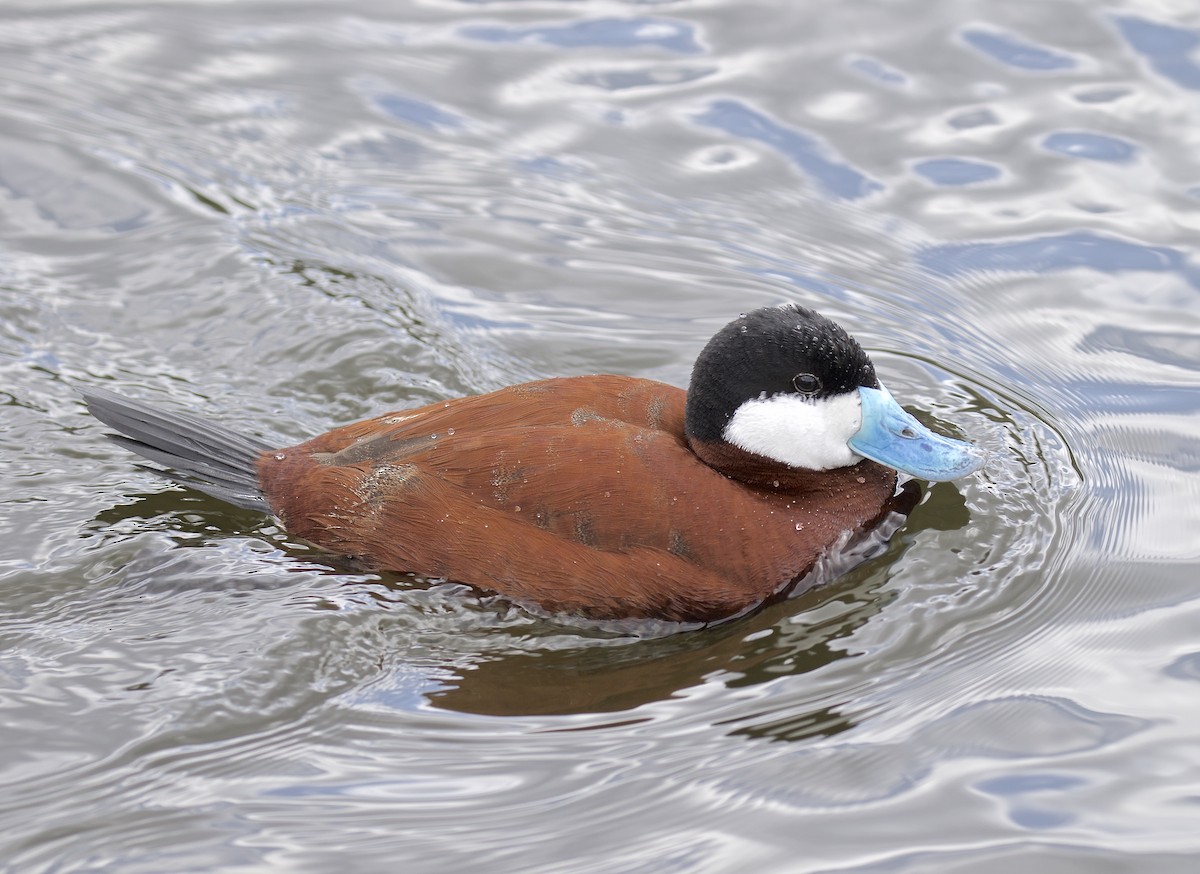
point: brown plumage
(588, 501)
(603, 496)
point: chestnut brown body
(580, 495)
(609, 497)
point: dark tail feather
(199, 454)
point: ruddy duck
(603, 496)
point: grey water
(288, 215)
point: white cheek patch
(798, 431)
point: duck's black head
(790, 385)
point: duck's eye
(806, 383)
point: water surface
(292, 215)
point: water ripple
(296, 216)
(1041, 254)
(622, 33)
(1170, 49)
(1014, 51)
(1094, 147)
(836, 177)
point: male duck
(603, 496)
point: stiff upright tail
(196, 453)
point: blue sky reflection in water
(293, 215)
